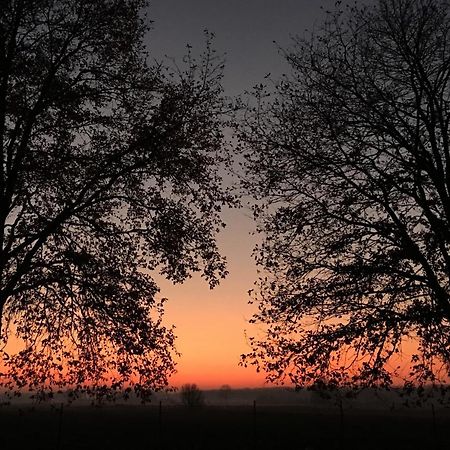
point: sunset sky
(211, 325)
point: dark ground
(233, 427)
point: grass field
(234, 427)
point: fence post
(60, 418)
(342, 424)
(160, 434)
(433, 426)
(254, 424)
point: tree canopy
(109, 175)
(349, 159)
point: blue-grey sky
(245, 30)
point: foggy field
(233, 427)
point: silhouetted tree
(108, 175)
(350, 160)
(191, 395)
(225, 391)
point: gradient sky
(211, 325)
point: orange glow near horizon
(211, 324)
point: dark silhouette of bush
(191, 395)
(225, 391)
